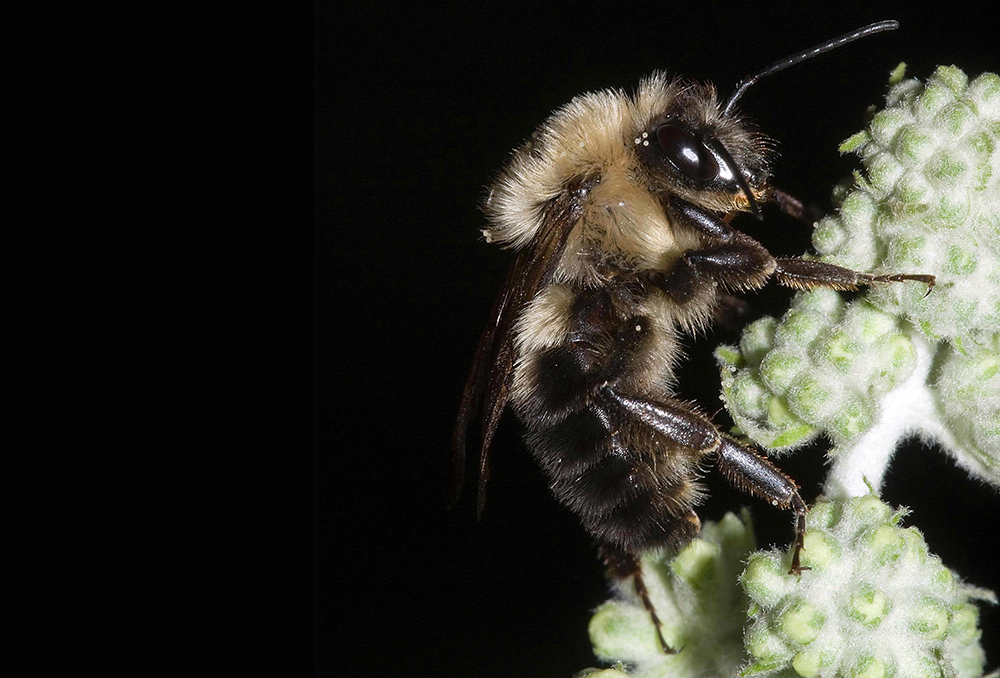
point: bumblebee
(619, 209)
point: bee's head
(694, 149)
(702, 148)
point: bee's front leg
(795, 208)
(805, 273)
(740, 263)
(737, 261)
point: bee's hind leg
(624, 565)
(756, 475)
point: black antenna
(782, 64)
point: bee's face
(715, 160)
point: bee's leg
(623, 565)
(740, 263)
(742, 467)
(795, 208)
(704, 221)
(732, 311)
(670, 418)
(756, 475)
(804, 273)
(733, 259)
(747, 470)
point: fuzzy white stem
(908, 409)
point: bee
(619, 210)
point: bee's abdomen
(630, 486)
(631, 483)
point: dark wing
(489, 380)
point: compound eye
(687, 153)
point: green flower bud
(780, 370)
(758, 339)
(801, 622)
(964, 619)
(697, 598)
(764, 579)
(875, 603)
(750, 395)
(819, 550)
(799, 326)
(618, 630)
(868, 667)
(854, 418)
(870, 511)
(885, 126)
(696, 563)
(766, 647)
(868, 605)
(887, 543)
(811, 398)
(929, 618)
(807, 663)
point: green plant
(864, 373)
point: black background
(417, 110)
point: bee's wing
(492, 370)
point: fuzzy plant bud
(823, 368)
(875, 603)
(928, 202)
(968, 389)
(901, 359)
(696, 598)
(602, 673)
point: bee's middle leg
(805, 273)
